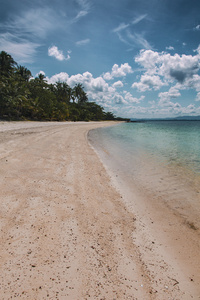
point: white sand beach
(71, 230)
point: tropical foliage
(23, 97)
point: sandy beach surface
(68, 229)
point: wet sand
(70, 230)
(166, 203)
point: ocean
(159, 157)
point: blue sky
(136, 58)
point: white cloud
(62, 77)
(107, 76)
(82, 42)
(117, 71)
(129, 97)
(198, 97)
(36, 22)
(24, 32)
(21, 50)
(84, 4)
(124, 40)
(138, 39)
(97, 88)
(118, 99)
(193, 82)
(132, 39)
(41, 72)
(121, 27)
(130, 111)
(148, 82)
(139, 19)
(197, 27)
(99, 85)
(118, 84)
(170, 48)
(149, 60)
(165, 97)
(176, 67)
(125, 104)
(91, 84)
(81, 14)
(58, 54)
(161, 68)
(84, 7)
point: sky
(136, 58)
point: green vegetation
(25, 98)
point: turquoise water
(160, 159)
(168, 142)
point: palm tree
(63, 92)
(83, 97)
(24, 73)
(7, 64)
(79, 93)
(41, 77)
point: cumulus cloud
(179, 72)
(97, 89)
(107, 76)
(58, 54)
(130, 111)
(194, 82)
(165, 97)
(118, 99)
(93, 86)
(161, 68)
(178, 67)
(41, 72)
(62, 77)
(170, 48)
(129, 97)
(148, 82)
(117, 71)
(118, 84)
(198, 97)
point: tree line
(23, 97)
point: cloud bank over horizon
(161, 70)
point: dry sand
(67, 232)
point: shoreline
(165, 239)
(65, 233)
(68, 228)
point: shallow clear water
(169, 142)
(159, 158)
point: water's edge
(166, 223)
